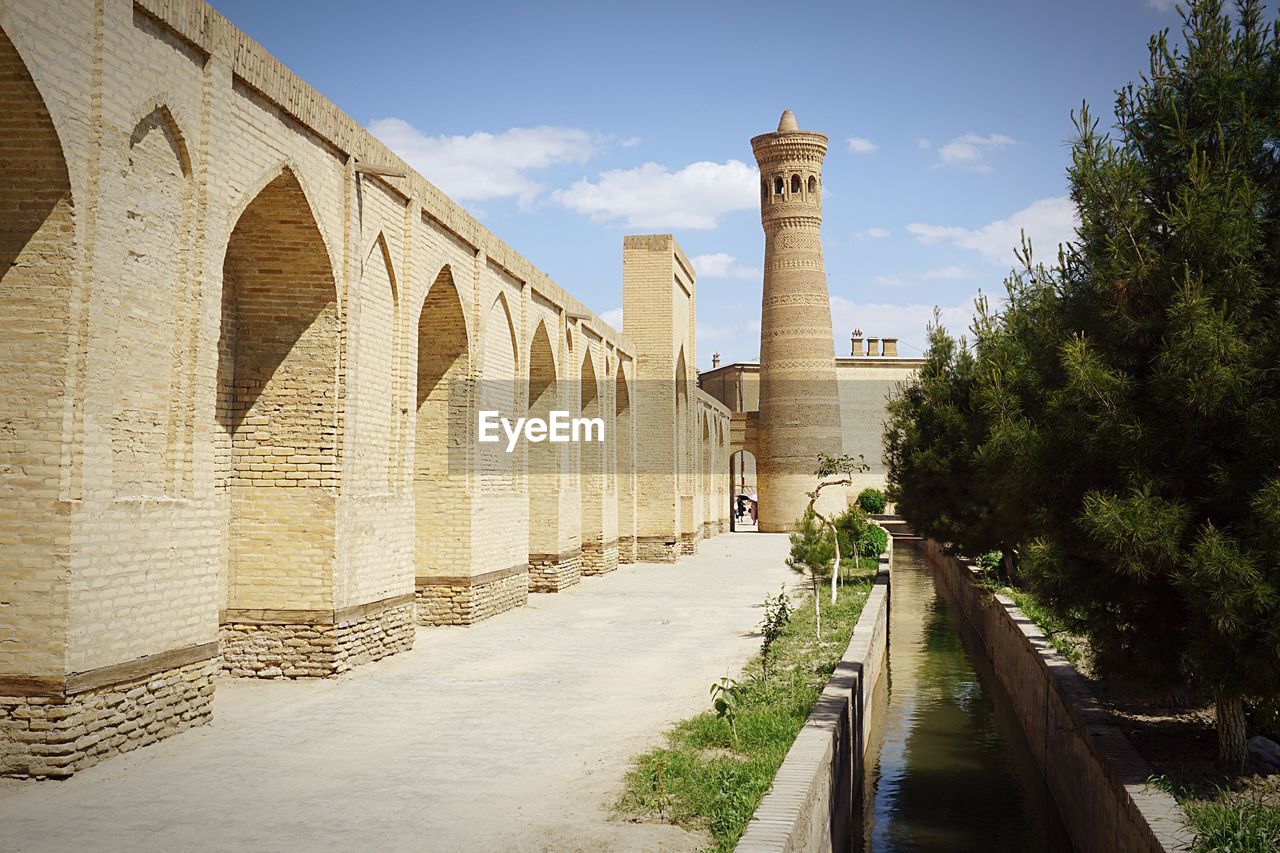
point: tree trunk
(835, 571)
(817, 605)
(1231, 733)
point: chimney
(873, 346)
(890, 347)
(715, 360)
(856, 349)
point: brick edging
(1097, 778)
(816, 792)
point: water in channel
(952, 771)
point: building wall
(864, 386)
(241, 376)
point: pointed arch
(288, 170)
(500, 359)
(545, 463)
(591, 472)
(373, 391)
(684, 425)
(624, 447)
(705, 475)
(277, 401)
(442, 531)
(151, 348)
(38, 258)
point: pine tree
(1132, 391)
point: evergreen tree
(933, 437)
(1132, 392)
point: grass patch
(1231, 823)
(704, 778)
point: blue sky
(564, 126)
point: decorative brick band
(599, 558)
(315, 644)
(554, 572)
(657, 549)
(54, 736)
(106, 676)
(467, 600)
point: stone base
(554, 572)
(626, 549)
(689, 542)
(465, 601)
(69, 728)
(599, 558)
(314, 644)
(710, 529)
(657, 549)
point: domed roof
(787, 123)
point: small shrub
(777, 613)
(872, 501)
(875, 540)
(724, 698)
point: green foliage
(1113, 426)
(704, 777)
(777, 614)
(871, 501)
(724, 698)
(1235, 824)
(812, 549)
(875, 541)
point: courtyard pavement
(513, 734)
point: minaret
(799, 404)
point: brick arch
(375, 385)
(153, 339)
(277, 413)
(288, 168)
(544, 466)
(625, 467)
(705, 475)
(38, 258)
(442, 529)
(497, 391)
(591, 472)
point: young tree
(813, 551)
(938, 478)
(1131, 392)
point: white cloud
(723, 265)
(861, 145)
(613, 317)
(904, 322)
(911, 279)
(970, 151)
(486, 165)
(1047, 223)
(922, 143)
(872, 234)
(653, 196)
(952, 271)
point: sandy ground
(509, 735)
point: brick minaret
(799, 405)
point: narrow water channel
(951, 768)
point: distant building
(864, 380)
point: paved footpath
(512, 734)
